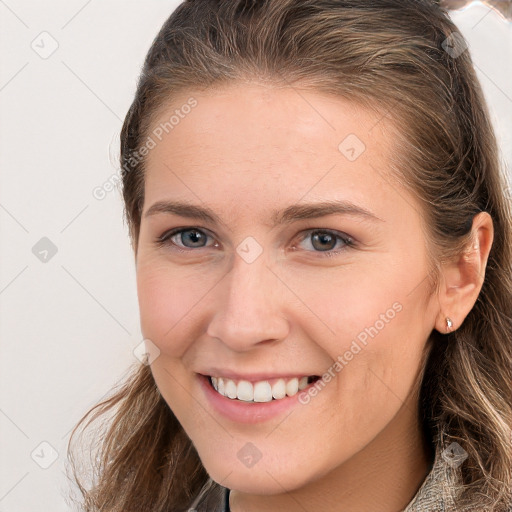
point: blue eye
(323, 241)
(195, 236)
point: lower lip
(247, 412)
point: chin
(261, 479)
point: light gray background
(69, 325)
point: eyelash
(164, 240)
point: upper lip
(253, 376)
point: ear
(462, 279)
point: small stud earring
(449, 324)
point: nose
(249, 306)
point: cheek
(344, 302)
(371, 321)
(376, 350)
(167, 302)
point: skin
(244, 151)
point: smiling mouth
(261, 391)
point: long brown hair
(390, 56)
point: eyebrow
(290, 214)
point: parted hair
(390, 56)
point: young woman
(322, 240)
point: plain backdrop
(68, 304)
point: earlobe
(462, 279)
(449, 324)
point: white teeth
(279, 389)
(292, 386)
(230, 389)
(244, 391)
(261, 391)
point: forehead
(281, 119)
(260, 142)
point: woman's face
(270, 284)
